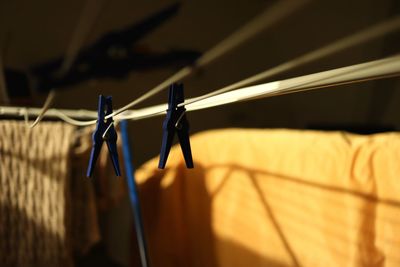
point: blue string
(133, 193)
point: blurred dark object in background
(18, 87)
(114, 55)
(354, 128)
(97, 256)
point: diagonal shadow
(274, 220)
(267, 207)
(297, 180)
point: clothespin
(175, 121)
(105, 131)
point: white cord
(46, 106)
(88, 16)
(246, 32)
(378, 30)
(263, 21)
(25, 114)
(358, 38)
(372, 70)
(268, 18)
(72, 121)
(363, 36)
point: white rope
(46, 106)
(372, 70)
(87, 19)
(378, 30)
(63, 114)
(267, 19)
(25, 114)
(263, 21)
(363, 36)
(248, 31)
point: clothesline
(266, 19)
(269, 17)
(378, 30)
(372, 70)
(363, 36)
(280, 10)
(354, 39)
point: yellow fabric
(275, 198)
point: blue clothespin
(104, 132)
(175, 121)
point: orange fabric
(275, 198)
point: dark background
(40, 30)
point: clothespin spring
(178, 125)
(104, 136)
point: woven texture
(34, 198)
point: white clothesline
(280, 10)
(284, 8)
(373, 32)
(266, 19)
(372, 70)
(356, 73)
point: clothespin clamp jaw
(104, 131)
(175, 121)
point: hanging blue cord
(133, 194)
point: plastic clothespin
(105, 131)
(175, 121)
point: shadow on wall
(305, 218)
